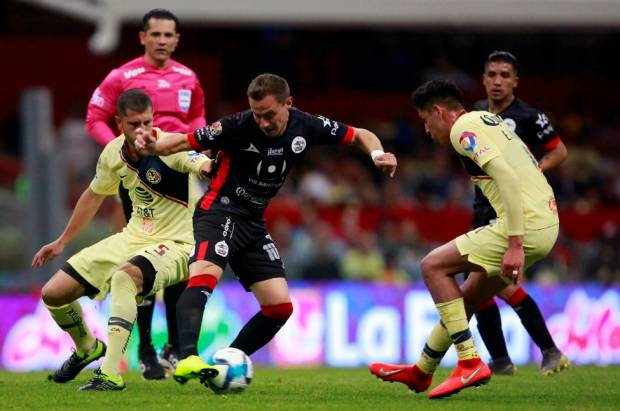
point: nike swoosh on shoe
(465, 380)
(388, 373)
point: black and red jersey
(251, 166)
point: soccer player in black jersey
(500, 78)
(256, 150)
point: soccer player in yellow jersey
(497, 254)
(150, 253)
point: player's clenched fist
(145, 142)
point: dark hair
(162, 14)
(437, 91)
(269, 84)
(133, 99)
(504, 57)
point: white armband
(376, 153)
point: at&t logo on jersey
(468, 141)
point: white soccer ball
(235, 369)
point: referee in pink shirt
(178, 100)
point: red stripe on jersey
(348, 136)
(553, 143)
(218, 182)
(486, 304)
(202, 251)
(193, 143)
(203, 280)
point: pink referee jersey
(178, 99)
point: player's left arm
(556, 153)
(509, 186)
(547, 138)
(370, 143)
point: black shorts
(223, 238)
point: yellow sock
(69, 317)
(123, 311)
(434, 350)
(454, 318)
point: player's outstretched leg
(261, 328)
(69, 317)
(526, 308)
(104, 382)
(190, 308)
(490, 328)
(410, 375)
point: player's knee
(428, 266)
(123, 280)
(280, 312)
(54, 296)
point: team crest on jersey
(185, 98)
(153, 176)
(221, 248)
(216, 128)
(298, 145)
(468, 141)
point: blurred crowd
(337, 218)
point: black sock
(144, 320)
(490, 328)
(534, 323)
(257, 332)
(190, 307)
(171, 297)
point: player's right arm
(210, 137)
(102, 107)
(84, 211)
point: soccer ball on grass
(235, 371)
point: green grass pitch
(578, 388)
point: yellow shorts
(97, 263)
(485, 246)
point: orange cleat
(413, 377)
(468, 373)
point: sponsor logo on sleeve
(298, 145)
(133, 73)
(468, 141)
(481, 152)
(491, 120)
(182, 70)
(97, 99)
(185, 99)
(216, 128)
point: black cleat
(104, 382)
(76, 363)
(150, 368)
(553, 361)
(502, 366)
(169, 358)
